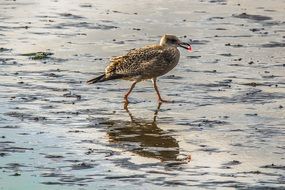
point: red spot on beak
(189, 48)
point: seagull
(144, 63)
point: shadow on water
(144, 137)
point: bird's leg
(157, 91)
(130, 114)
(156, 112)
(129, 92)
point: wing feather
(140, 61)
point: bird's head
(171, 40)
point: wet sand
(225, 129)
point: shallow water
(225, 129)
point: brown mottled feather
(144, 63)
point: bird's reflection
(144, 137)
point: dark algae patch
(38, 55)
(233, 45)
(273, 166)
(252, 17)
(273, 44)
(4, 49)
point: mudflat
(225, 128)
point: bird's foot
(165, 101)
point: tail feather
(100, 78)
(103, 78)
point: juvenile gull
(144, 63)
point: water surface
(225, 129)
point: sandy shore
(56, 132)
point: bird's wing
(138, 61)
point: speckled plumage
(144, 63)
(148, 62)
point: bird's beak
(185, 46)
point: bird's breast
(172, 58)
(166, 63)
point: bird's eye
(173, 40)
